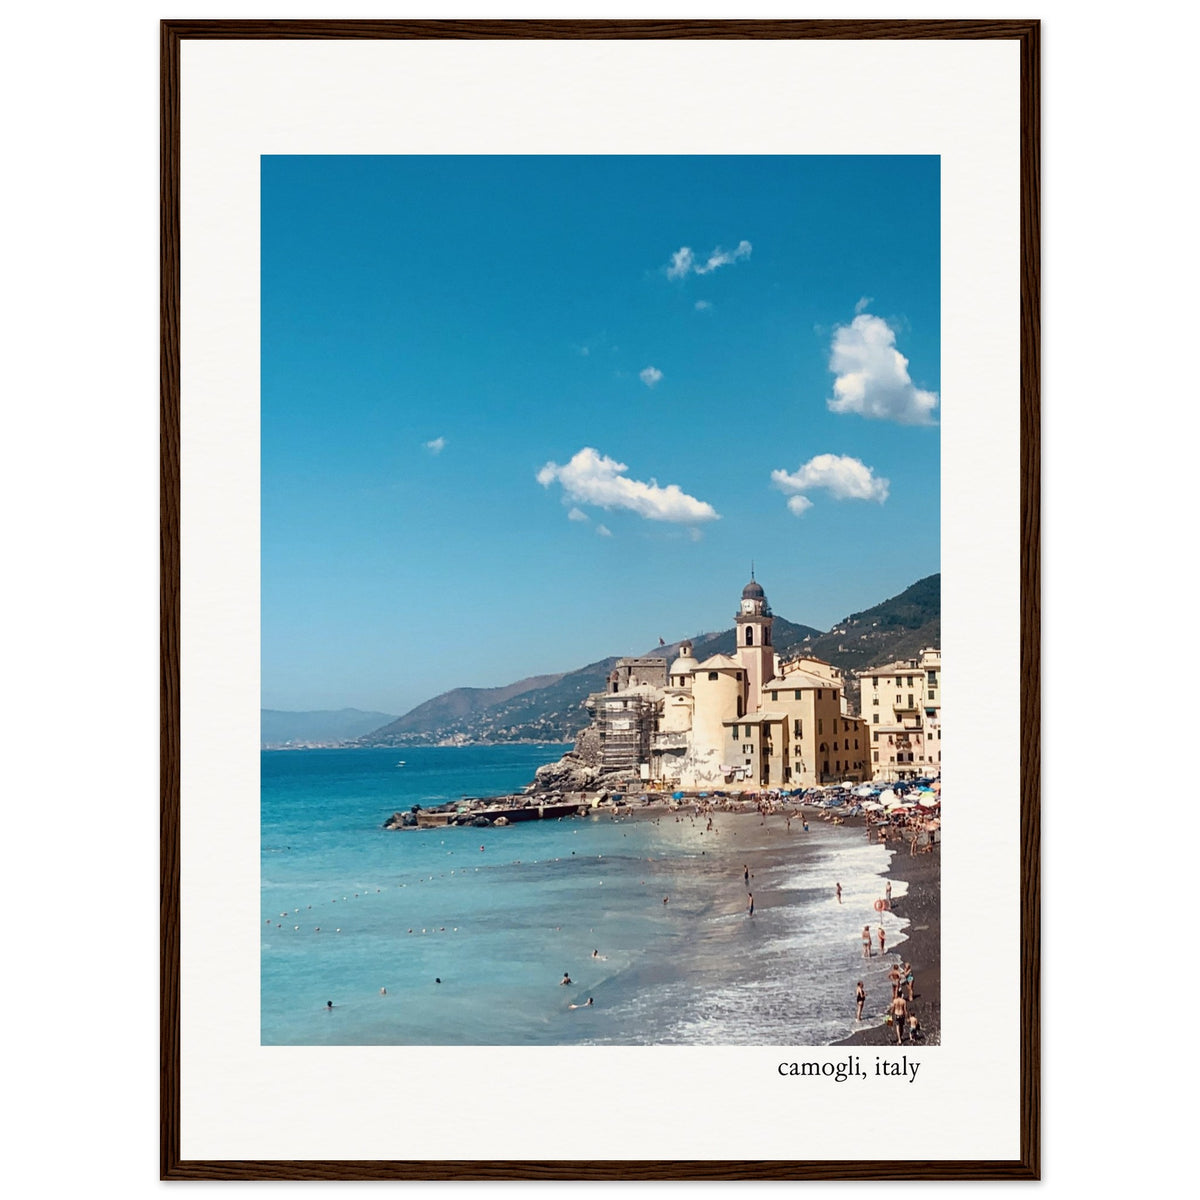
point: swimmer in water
(565, 980)
(328, 1005)
(587, 1005)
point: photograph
(601, 601)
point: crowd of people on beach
(900, 1013)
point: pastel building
(736, 722)
(902, 705)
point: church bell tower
(755, 653)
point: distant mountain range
(549, 708)
(281, 729)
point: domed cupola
(682, 669)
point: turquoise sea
(500, 915)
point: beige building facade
(737, 722)
(902, 706)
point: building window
(774, 695)
(798, 728)
(874, 737)
(713, 674)
(818, 693)
(910, 701)
(876, 756)
(749, 636)
(874, 699)
(932, 694)
(820, 727)
(875, 719)
(797, 693)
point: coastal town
(753, 734)
(752, 720)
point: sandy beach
(921, 904)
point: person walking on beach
(881, 941)
(750, 909)
(907, 973)
(866, 941)
(746, 872)
(898, 1009)
(838, 888)
(860, 998)
(894, 978)
(887, 893)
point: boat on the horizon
(400, 763)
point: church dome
(685, 664)
(753, 591)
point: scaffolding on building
(627, 726)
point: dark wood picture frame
(1027, 1165)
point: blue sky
(519, 414)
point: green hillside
(551, 707)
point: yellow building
(902, 705)
(748, 721)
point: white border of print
(243, 99)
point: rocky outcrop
(573, 773)
(400, 820)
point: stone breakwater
(569, 787)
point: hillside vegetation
(549, 708)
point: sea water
(646, 915)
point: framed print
(592, 453)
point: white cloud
(577, 514)
(872, 375)
(436, 446)
(593, 478)
(603, 531)
(650, 376)
(842, 477)
(703, 305)
(683, 261)
(722, 258)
